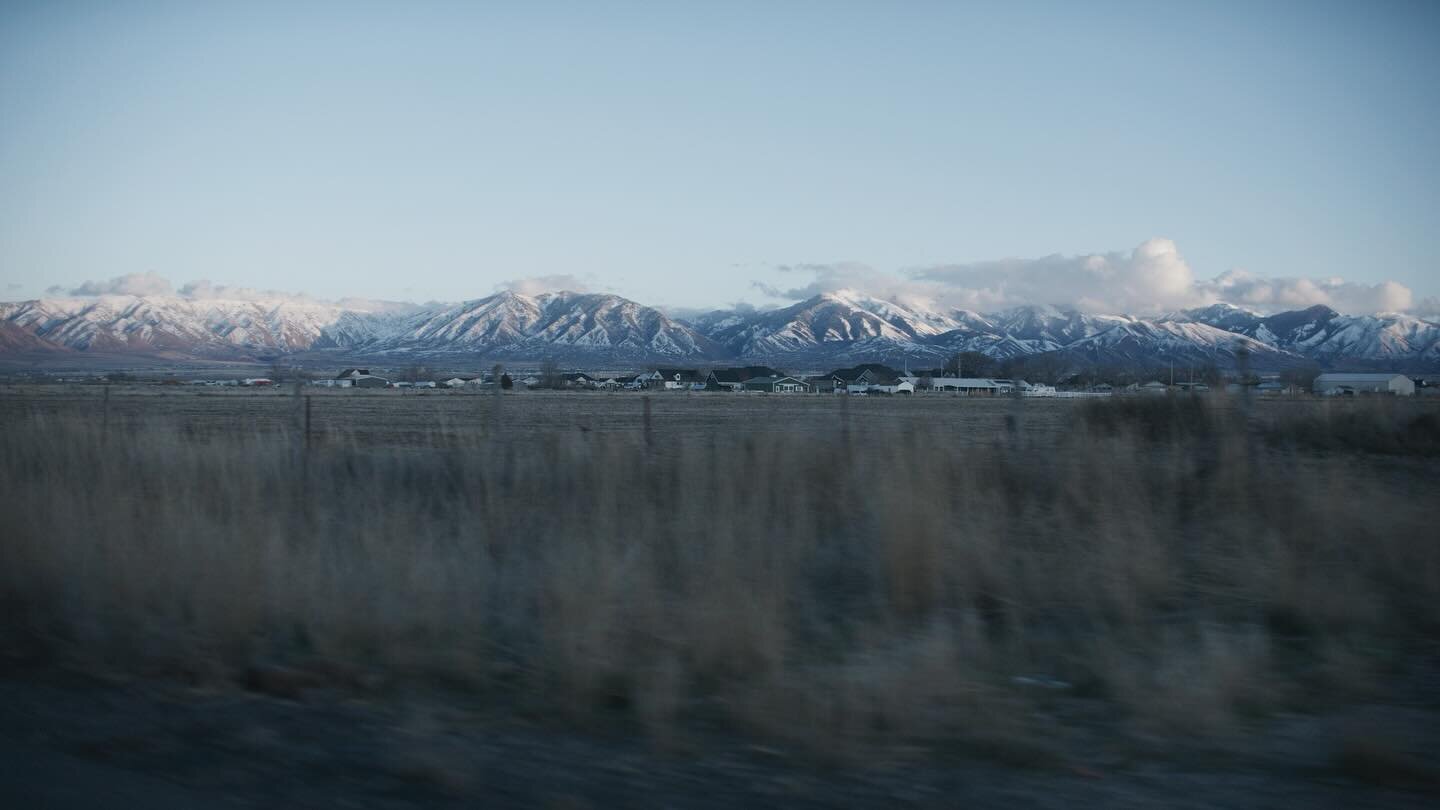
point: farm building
(368, 381)
(778, 385)
(1274, 388)
(1342, 384)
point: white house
(1341, 384)
(974, 386)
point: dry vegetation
(1180, 566)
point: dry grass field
(1016, 579)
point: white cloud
(1151, 279)
(205, 290)
(535, 285)
(1246, 289)
(128, 284)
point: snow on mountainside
(842, 323)
(838, 327)
(563, 325)
(1322, 334)
(167, 325)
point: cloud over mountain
(1152, 278)
(128, 284)
(538, 285)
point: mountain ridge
(837, 327)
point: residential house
(672, 379)
(968, 386)
(778, 385)
(733, 379)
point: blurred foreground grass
(1183, 564)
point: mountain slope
(578, 329)
(168, 325)
(1322, 334)
(564, 326)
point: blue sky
(679, 153)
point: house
(778, 385)
(1152, 387)
(257, 381)
(1350, 384)
(864, 375)
(826, 384)
(455, 382)
(672, 379)
(733, 379)
(359, 378)
(577, 379)
(896, 385)
(968, 386)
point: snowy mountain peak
(837, 326)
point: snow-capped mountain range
(584, 328)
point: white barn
(1339, 384)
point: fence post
(105, 416)
(498, 416)
(649, 434)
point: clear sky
(678, 152)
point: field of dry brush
(1024, 580)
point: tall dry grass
(1165, 559)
